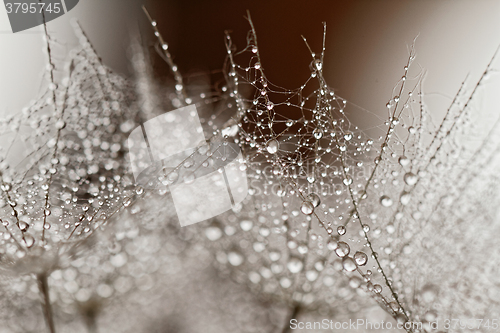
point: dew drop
(348, 136)
(404, 161)
(410, 179)
(341, 230)
(385, 201)
(246, 225)
(274, 255)
(405, 198)
(317, 133)
(307, 208)
(213, 233)
(361, 258)
(294, 265)
(172, 177)
(314, 199)
(6, 187)
(354, 282)
(303, 249)
(349, 264)
(127, 202)
(235, 258)
(311, 275)
(317, 64)
(60, 124)
(347, 181)
(273, 146)
(29, 241)
(23, 226)
(332, 244)
(189, 178)
(342, 249)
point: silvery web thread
(74, 85)
(146, 88)
(44, 144)
(436, 153)
(231, 122)
(183, 98)
(462, 183)
(409, 177)
(92, 73)
(94, 288)
(272, 253)
(396, 121)
(269, 105)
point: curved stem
(91, 324)
(294, 313)
(43, 286)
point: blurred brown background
(367, 41)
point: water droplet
(429, 293)
(347, 181)
(172, 177)
(294, 265)
(307, 208)
(274, 255)
(6, 187)
(361, 258)
(354, 282)
(188, 163)
(189, 178)
(342, 249)
(246, 225)
(318, 133)
(317, 65)
(405, 198)
(314, 199)
(311, 178)
(254, 49)
(410, 179)
(273, 146)
(60, 124)
(23, 226)
(349, 264)
(311, 275)
(127, 202)
(332, 244)
(28, 240)
(213, 233)
(235, 258)
(404, 161)
(341, 230)
(385, 201)
(348, 136)
(285, 282)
